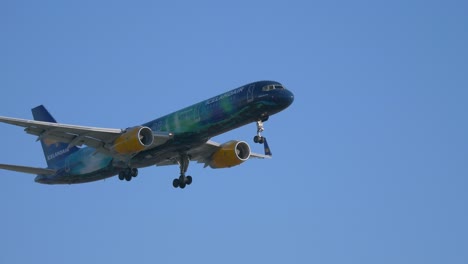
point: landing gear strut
(258, 138)
(183, 180)
(128, 173)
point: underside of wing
(215, 155)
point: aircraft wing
(201, 154)
(30, 170)
(204, 152)
(74, 135)
(98, 138)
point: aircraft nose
(289, 97)
(286, 98)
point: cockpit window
(268, 88)
(272, 87)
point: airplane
(80, 154)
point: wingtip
(267, 148)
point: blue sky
(370, 162)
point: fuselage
(191, 126)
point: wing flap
(25, 169)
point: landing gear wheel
(128, 173)
(175, 183)
(182, 181)
(188, 180)
(128, 177)
(259, 139)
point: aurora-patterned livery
(176, 138)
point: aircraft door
(67, 165)
(196, 114)
(250, 93)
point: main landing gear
(183, 180)
(128, 174)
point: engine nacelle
(230, 154)
(134, 140)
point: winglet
(267, 150)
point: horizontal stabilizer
(25, 169)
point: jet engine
(230, 154)
(134, 140)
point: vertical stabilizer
(55, 152)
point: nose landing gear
(258, 138)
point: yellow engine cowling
(230, 154)
(134, 140)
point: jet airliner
(79, 154)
